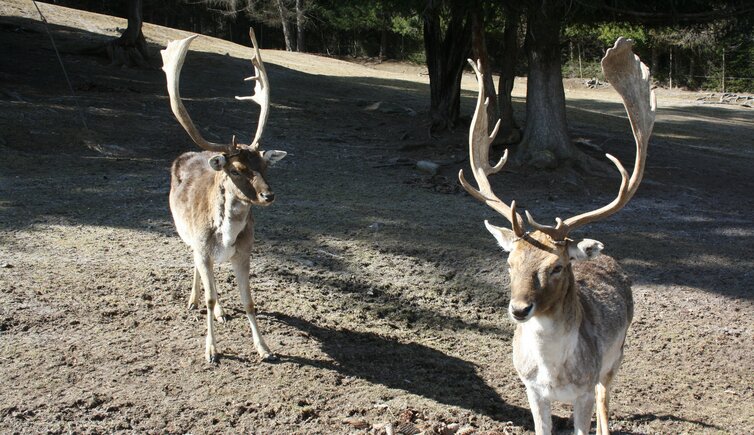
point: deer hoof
(211, 354)
(270, 358)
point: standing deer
(571, 315)
(211, 194)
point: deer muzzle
(520, 312)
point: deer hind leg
(192, 302)
(602, 391)
(204, 268)
(583, 408)
(240, 263)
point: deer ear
(218, 162)
(274, 156)
(504, 236)
(586, 249)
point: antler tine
(630, 78)
(172, 61)
(555, 232)
(479, 150)
(261, 89)
(561, 229)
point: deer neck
(231, 214)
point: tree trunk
(446, 56)
(545, 143)
(722, 78)
(479, 50)
(509, 130)
(300, 22)
(130, 49)
(384, 30)
(286, 25)
(655, 61)
(670, 69)
(383, 40)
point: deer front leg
(540, 411)
(603, 398)
(602, 391)
(583, 408)
(193, 299)
(240, 263)
(204, 267)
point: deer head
(243, 167)
(540, 260)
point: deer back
(604, 291)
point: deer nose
(521, 313)
(267, 196)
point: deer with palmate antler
(571, 316)
(211, 194)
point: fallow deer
(571, 316)
(211, 194)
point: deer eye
(235, 173)
(557, 269)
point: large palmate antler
(261, 90)
(173, 57)
(630, 78)
(172, 62)
(479, 154)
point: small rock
(426, 166)
(355, 422)
(451, 429)
(6, 266)
(389, 108)
(305, 262)
(373, 106)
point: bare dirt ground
(378, 285)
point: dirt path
(377, 285)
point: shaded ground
(377, 285)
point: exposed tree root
(121, 52)
(130, 49)
(588, 165)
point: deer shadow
(647, 418)
(410, 367)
